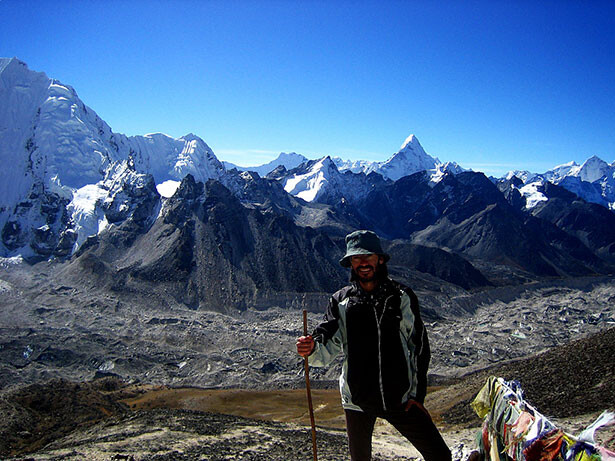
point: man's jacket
(384, 342)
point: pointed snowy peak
(410, 159)
(313, 182)
(412, 143)
(593, 169)
(326, 163)
(412, 147)
(198, 159)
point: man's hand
(305, 345)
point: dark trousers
(416, 425)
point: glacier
(65, 159)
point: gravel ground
(63, 420)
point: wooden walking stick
(309, 391)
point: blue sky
(493, 85)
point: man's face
(365, 266)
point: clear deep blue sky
(494, 85)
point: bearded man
(376, 323)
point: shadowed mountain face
(251, 244)
(439, 263)
(210, 251)
(592, 224)
(468, 215)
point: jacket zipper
(378, 321)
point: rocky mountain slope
(211, 252)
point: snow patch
(308, 186)
(168, 188)
(86, 212)
(533, 195)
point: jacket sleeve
(421, 347)
(328, 336)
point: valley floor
(557, 339)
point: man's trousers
(415, 424)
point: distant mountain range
(144, 209)
(288, 161)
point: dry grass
(289, 406)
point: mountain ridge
(89, 186)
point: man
(375, 322)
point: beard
(380, 272)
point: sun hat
(362, 242)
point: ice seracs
(62, 156)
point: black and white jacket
(384, 342)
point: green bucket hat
(362, 242)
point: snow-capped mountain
(288, 161)
(312, 183)
(355, 166)
(335, 178)
(166, 158)
(410, 159)
(321, 181)
(593, 181)
(62, 156)
(70, 185)
(592, 170)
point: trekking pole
(309, 391)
